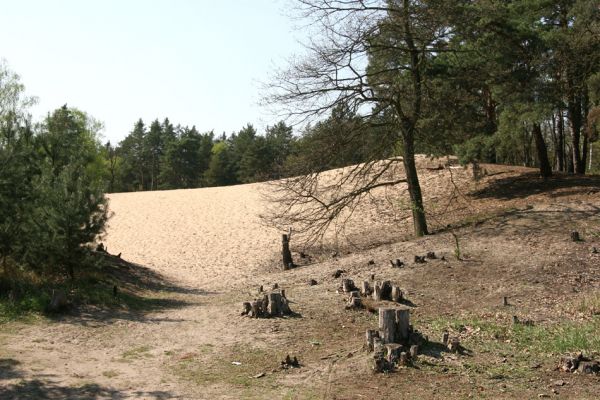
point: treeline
(164, 156)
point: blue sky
(197, 62)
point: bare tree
(375, 57)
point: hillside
(196, 255)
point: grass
(567, 336)
(136, 353)
(110, 373)
(216, 368)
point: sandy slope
(200, 236)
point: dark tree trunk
(575, 121)
(560, 151)
(540, 145)
(286, 254)
(414, 188)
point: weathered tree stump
(575, 236)
(396, 295)
(454, 345)
(354, 303)
(274, 305)
(255, 309)
(393, 352)
(371, 334)
(386, 290)
(337, 273)
(377, 291)
(419, 259)
(380, 364)
(247, 308)
(402, 324)
(285, 252)
(414, 351)
(387, 325)
(365, 288)
(403, 358)
(445, 337)
(348, 285)
(505, 301)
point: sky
(197, 62)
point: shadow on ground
(37, 389)
(127, 291)
(529, 184)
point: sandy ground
(204, 237)
(209, 251)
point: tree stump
(348, 285)
(354, 303)
(402, 317)
(414, 351)
(445, 337)
(286, 253)
(454, 345)
(365, 288)
(377, 291)
(386, 290)
(393, 352)
(403, 360)
(575, 236)
(255, 309)
(274, 306)
(285, 307)
(371, 334)
(247, 308)
(387, 325)
(396, 294)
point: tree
(135, 157)
(18, 167)
(376, 57)
(186, 160)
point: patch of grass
(110, 373)
(590, 305)
(217, 368)
(561, 338)
(137, 352)
(564, 337)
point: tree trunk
(540, 145)
(414, 188)
(286, 253)
(574, 112)
(560, 151)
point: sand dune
(201, 236)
